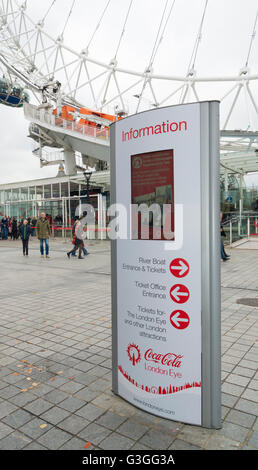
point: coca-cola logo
(168, 359)
(134, 354)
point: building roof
(239, 151)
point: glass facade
(61, 198)
(58, 197)
(234, 193)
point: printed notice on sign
(152, 185)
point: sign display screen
(152, 182)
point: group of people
(41, 228)
(10, 227)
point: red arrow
(179, 267)
(179, 319)
(179, 293)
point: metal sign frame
(209, 262)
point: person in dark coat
(15, 232)
(4, 227)
(33, 226)
(224, 256)
(25, 232)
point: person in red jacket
(85, 252)
(77, 239)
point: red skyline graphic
(159, 390)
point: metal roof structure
(239, 152)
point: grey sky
(223, 49)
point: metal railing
(52, 157)
(46, 116)
(239, 227)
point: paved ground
(247, 243)
(55, 358)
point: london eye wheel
(116, 58)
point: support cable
(252, 40)
(69, 14)
(163, 32)
(98, 25)
(194, 54)
(123, 30)
(198, 40)
(47, 12)
(151, 57)
(156, 40)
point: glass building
(60, 197)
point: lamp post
(87, 175)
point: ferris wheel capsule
(12, 94)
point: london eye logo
(134, 354)
(137, 162)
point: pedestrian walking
(43, 234)
(10, 223)
(25, 232)
(78, 241)
(15, 232)
(224, 256)
(33, 226)
(85, 252)
(4, 226)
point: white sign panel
(158, 282)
